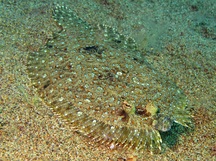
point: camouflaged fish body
(97, 80)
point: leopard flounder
(98, 81)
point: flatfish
(99, 82)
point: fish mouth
(163, 123)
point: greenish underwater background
(179, 39)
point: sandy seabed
(179, 39)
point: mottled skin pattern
(97, 80)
